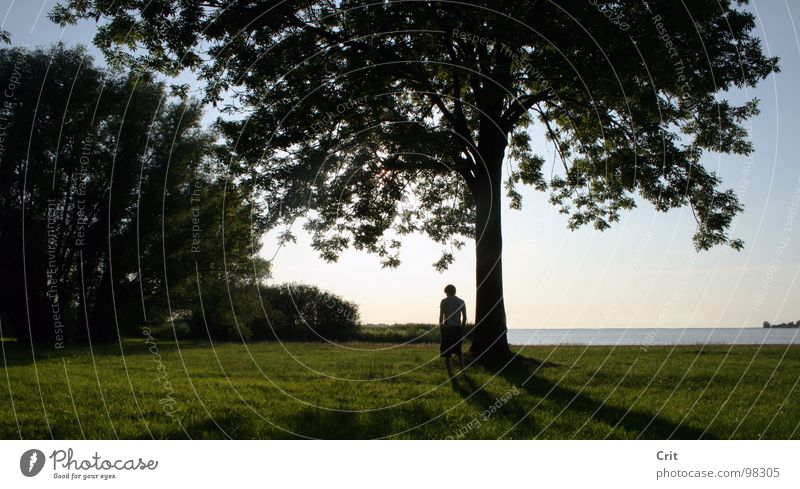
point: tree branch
(520, 106)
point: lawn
(375, 390)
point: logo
(31, 462)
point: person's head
(450, 289)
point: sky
(642, 273)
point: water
(655, 336)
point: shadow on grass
(234, 425)
(19, 354)
(403, 421)
(310, 423)
(525, 373)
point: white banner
(399, 464)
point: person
(452, 319)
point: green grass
(375, 390)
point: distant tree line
(790, 324)
(117, 212)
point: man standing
(452, 319)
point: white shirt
(451, 307)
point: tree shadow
(309, 423)
(524, 373)
(14, 353)
(407, 421)
(19, 353)
(231, 425)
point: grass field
(375, 390)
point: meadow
(159, 388)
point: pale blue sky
(642, 273)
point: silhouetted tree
(115, 210)
(72, 136)
(375, 120)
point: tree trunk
(101, 323)
(489, 340)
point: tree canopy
(112, 205)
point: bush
(219, 321)
(400, 333)
(304, 312)
(166, 332)
(293, 312)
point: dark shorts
(451, 340)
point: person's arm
(463, 314)
(441, 314)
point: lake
(655, 336)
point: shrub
(182, 330)
(305, 312)
(218, 320)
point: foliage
(225, 311)
(113, 204)
(244, 312)
(297, 311)
(373, 119)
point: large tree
(113, 204)
(378, 119)
(65, 125)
